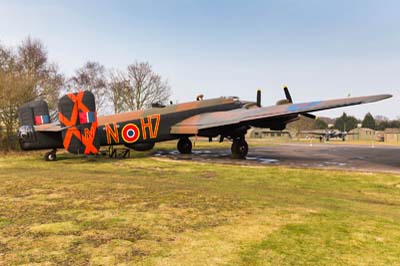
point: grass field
(148, 211)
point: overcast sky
(320, 49)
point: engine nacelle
(141, 146)
(282, 102)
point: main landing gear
(185, 145)
(239, 148)
(51, 155)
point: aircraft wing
(194, 124)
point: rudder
(34, 113)
(77, 112)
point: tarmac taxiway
(367, 158)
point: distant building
(362, 134)
(392, 134)
(262, 133)
(380, 135)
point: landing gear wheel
(185, 146)
(50, 156)
(239, 149)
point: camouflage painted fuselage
(154, 125)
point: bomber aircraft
(80, 131)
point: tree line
(27, 74)
(344, 123)
(347, 123)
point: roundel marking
(130, 133)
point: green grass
(147, 211)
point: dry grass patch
(55, 228)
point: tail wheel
(185, 146)
(239, 149)
(50, 156)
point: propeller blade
(287, 94)
(314, 117)
(259, 98)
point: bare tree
(12, 96)
(8, 101)
(43, 79)
(118, 86)
(92, 77)
(7, 58)
(25, 75)
(145, 87)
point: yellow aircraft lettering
(153, 131)
(112, 133)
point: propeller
(289, 100)
(287, 94)
(259, 98)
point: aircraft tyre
(239, 149)
(50, 156)
(185, 146)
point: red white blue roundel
(130, 133)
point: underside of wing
(257, 116)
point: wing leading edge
(196, 123)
